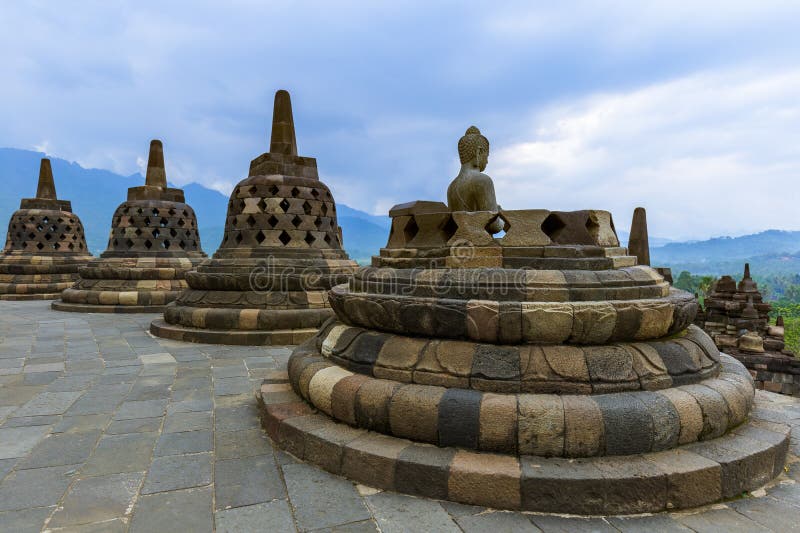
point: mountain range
(96, 193)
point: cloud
(708, 154)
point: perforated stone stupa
(154, 242)
(544, 371)
(281, 252)
(45, 245)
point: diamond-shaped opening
(318, 222)
(173, 233)
(71, 246)
(328, 195)
(296, 221)
(328, 239)
(553, 226)
(39, 245)
(273, 190)
(166, 244)
(262, 205)
(252, 190)
(39, 227)
(284, 238)
(324, 209)
(62, 237)
(31, 235)
(45, 220)
(128, 243)
(74, 237)
(242, 204)
(295, 192)
(138, 231)
(80, 246)
(306, 208)
(185, 213)
(171, 211)
(183, 244)
(148, 244)
(139, 211)
(124, 212)
(47, 236)
(68, 228)
(251, 221)
(116, 243)
(272, 221)
(164, 222)
(146, 221)
(450, 227)
(234, 222)
(260, 237)
(24, 244)
(499, 220)
(53, 228)
(315, 193)
(156, 233)
(411, 229)
(309, 238)
(32, 219)
(239, 238)
(181, 222)
(284, 205)
(56, 246)
(155, 212)
(592, 226)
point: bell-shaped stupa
(153, 243)
(45, 245)
(281, 253)
(539, 368)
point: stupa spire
(746, 271)
(156, 174)
(283, 140)
(638, 242)
(47, 187)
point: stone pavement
(106, 428)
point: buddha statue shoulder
(472, 190)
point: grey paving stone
(141, 409)
(99, 400)
(190, 421)
(82, 423)
(236, 418)
(178, 472)
(18, 441)
(48, 403)
(244, 443)
(5, 466)
(270, 516)
(719, 521)
(400, 513)
(61, 449)
(25, 520)
(40, 378)
(134, 425)
(559, 524)
(24, 421)
(116, 454)
(40, 487)
(246, 481)
(183, 443)
(190, 508)
(117, 525)
(768, 513)
(496, 522)
(321, 499)
(232, 386)
(364, 526)
(97, 499)
(644, 524)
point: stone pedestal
(281, 252)
(154, 242)
(45, 245)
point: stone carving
(472, 190)
(281, 252)
(45, 245)
(552, 344)
(154, 242)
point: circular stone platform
(687, 476)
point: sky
(689, 109)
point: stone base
(32, 296)
(161, 328)
(682, 478)
(60, 305)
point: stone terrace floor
(105, 428)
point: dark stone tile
(40, 487)
(97, 499)
(191, 509)
(183, 443)
(269, 516)
(459, 418)
(178, 472)
(247, 481)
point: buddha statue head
(473, 149)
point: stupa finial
(638, 242)
(746, 271)
(156, 174)
(283, 139)
(47, 187)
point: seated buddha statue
(472, 190)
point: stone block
(483, 479)
(541, 425)
(424, 470)
(498, 423)
(414, 412)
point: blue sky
(690, 109)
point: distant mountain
(655, 242)
(96, 193)
(768, 252)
